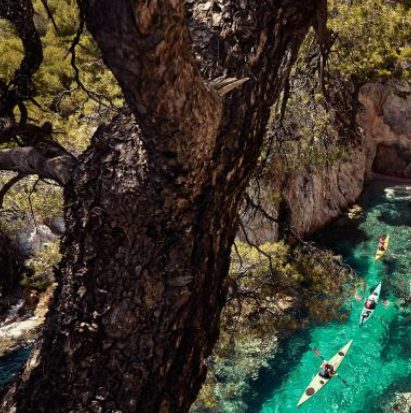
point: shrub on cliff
(372, 39)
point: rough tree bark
(151, 208)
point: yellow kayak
(379, 252)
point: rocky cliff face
(317, 196)
(386, 120)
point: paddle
(358, 298)
(322, 358)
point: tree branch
(99, 98)
(7, 186)
(50, 15)
(48, 160)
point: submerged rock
(355, 212)
(401, 404)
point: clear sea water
(379, 361)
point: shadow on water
(11, 363)
(353, 235)
(272, 377)
(396, 220)
(398, 340)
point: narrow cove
(379, 362)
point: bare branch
(50, 15)
(48, 160)
(258, 207)
(238, 254)
(33, 189)
(99, 98)
(28, 133)
(223, 85)
(8, 185)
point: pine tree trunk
(151, 212)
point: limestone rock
(317, 196)
(402, 404)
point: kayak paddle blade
(344, 381)
(317, 352)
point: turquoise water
(379, 361)
(11, 364)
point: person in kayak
(327, 370)
(381, 244)
(370, 305)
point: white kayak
(367, 312)
(318, 382)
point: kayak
(367, 312)
(318, 382)
(379, 252)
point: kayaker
(381, 244)
(327, 370)
(370, 304)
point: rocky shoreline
(24, 328)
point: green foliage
(35, 201)
(73, 113)
(373, 37)
(59, 99)
(307, 136)
(30, 199)
(275, 280)
(41, 265)
(11, 51)
(371, 43)
(305, 124)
